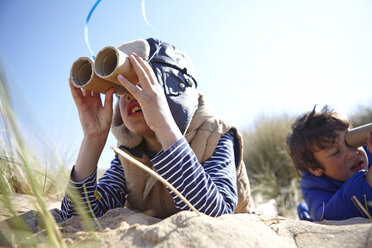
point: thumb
(133, 89)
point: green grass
(270, 168)
(361, 117)
(43, 176)
(22, 172)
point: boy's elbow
(317, 212)
(229, 206)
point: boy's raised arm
(95, 121)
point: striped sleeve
(109, 193)
(211, 187)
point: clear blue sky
(253, 58)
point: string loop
(86, 36)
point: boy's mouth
(133, 108)
(357, 166)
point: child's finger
(75, 92)
(95, 94)
(108, 100)
(133, 89)
(141, 73)
(87, 92)
(146, 67)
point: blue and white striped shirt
(210, 187)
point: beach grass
(270, 168)
(21, 172)
(41, 175)
(361, 117)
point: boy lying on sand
(332, 171)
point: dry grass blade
(16, 150)
(157, 176)
(361, 207)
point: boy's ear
(316, 172)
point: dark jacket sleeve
(95, 198)
(326, 201)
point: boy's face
(339, 160)
(132, 115)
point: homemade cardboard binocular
(101, 75)
(356, 137)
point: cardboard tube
(83, 76)
(357, 137)
(110, 62)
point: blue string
(86, 36)
(86, 28)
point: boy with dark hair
(332, 172)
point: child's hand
(95, 119)
(153, 102)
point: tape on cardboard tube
(110, 62)
(82, 75)
(357, 137)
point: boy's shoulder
(310, 181)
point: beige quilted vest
(150, 196)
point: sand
(122, 227)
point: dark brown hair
(311, 132)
